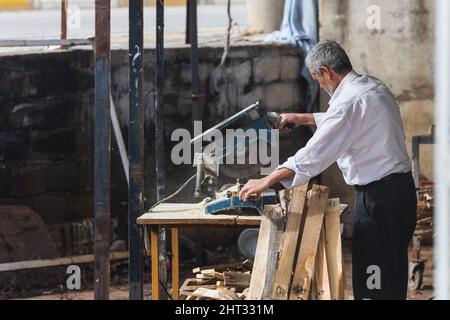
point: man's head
(328, 64)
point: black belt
(391, 177)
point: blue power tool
(214, 162)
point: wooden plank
(322, 283)
(247, 265)
(37, 264)
(215, 294)
(208, 271)
(285, 198)
(243, 295)
(248, 221)
(266, 257)
(175, 265)
(183, 214)
(280, 288)
(333, 249)
(304, 269)
(155, 262)
(313, 292)
(236, 279)
(193, 284)
(204, 276)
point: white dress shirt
(362, 131)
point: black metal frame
(159, 137)
(136, 149)
(102, 153)
(416, 142)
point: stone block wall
(47, 119)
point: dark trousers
(384, 223)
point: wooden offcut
(304, 269)
(215, 294)
(333, 249)
(266, 256)
(280, 288)
(322, 282)
(245, 265)
(236, 279)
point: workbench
(175, 216)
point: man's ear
(326, 72)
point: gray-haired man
(363, 132)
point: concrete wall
(46, 120)
(399, 52)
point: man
(363, 132)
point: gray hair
(328, 54)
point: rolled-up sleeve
(332, 138)
(318, 118)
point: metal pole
(102, 178)
(63, 19)
(442, 158)
(136, 149)
(120, 142)
(196, 113)
(196, 116)
(159, 137)
(188, 22)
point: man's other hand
(290, 121)
(254, 187)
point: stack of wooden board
(219, 282)
(298, 255)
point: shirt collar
(352, 75)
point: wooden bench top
(183, 214)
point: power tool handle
(290, 126)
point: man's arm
(298, 119)
(331, 140)
(259, 186)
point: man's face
(324, 81)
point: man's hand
(296, 119)
(254, 187)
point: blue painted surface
(235, 204)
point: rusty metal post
(136, 149)
(102, 174)
(188, 22)
(159, 137)
(196, 112)
(63, 19)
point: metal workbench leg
(175, 265)
(155, 262)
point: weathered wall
(399, 53)
(46, 120)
